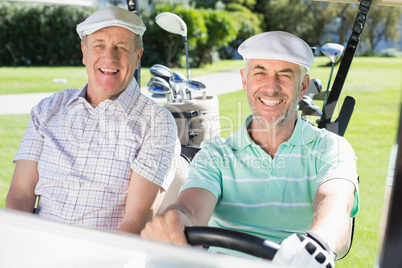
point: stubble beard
(282, 120)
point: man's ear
(138, 57)
(244, 79)
(83, 52)
(304, 86)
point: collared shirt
(85, 155)
(270, 197)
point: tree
(382, 24)
(306, 19)
(250, 24)
(222, 29)
(207, 30)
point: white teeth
(108, 70)
(270, 102)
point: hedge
(40, 34)
(37, 34)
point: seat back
(181, 171)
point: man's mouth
(108, 71)
(271, 102)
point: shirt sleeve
(32, 142)
(204, 170)
(155, 157)
(338, 161)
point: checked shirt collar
(126, 98)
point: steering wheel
(229, 239)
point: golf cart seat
(181, 163)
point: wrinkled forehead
(276, 64)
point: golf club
(333, 52)
(315, 86)
(164, 72)
(174, 24)
(305, 101)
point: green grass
(15, 80)
(375, 83)
(12, 128)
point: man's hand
(168, 227)
(304, 251)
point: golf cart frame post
(391, 256)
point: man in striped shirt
(278, 177)
(98, 156)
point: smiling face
(274, 89)
(111, 56)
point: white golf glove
(304, 251)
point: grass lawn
(16, 80)
(375, 83)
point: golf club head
(179, 77)
(332, 50)
(321, 95)
(313, 110)
(158, 79)
(171, 23)
(195, 85)
(158, 87)
(315, 86)
(305, 101)
(161, 72)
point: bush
(46, 35)
(40, 34)
(207, 30)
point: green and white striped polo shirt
(260, 195)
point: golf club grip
(218, 237)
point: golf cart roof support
(132, 6)
(391, 256)
(346, 61)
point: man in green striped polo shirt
(278, 177)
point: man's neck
(269, 138)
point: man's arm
(193, 207)
(21, 195)
(333, 204)
(143, 200)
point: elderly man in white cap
(99, 156)
(278, 177)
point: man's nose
(110, 55)
(272, 83)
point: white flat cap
(278, 45)
(111, 16)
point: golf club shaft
(188, 93)
(329, 82)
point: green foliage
(381, 25)
(40, 34)
(166, 48)
(207, 30)
(222, 29)
(250, 24)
